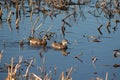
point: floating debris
(94, 72)
(93, 38)
(21, 43)
(94, 59)
(116, 53)
(96, 40)
(116, 21)
(116, 65)
(78, 57)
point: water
(85, 25)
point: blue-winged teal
(60, 46)
(37, 41)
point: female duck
(60, 46)
(37, 41)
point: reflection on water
(91, 27)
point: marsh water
(80, 30)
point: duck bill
(68, 42)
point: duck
(37, 41)
(60, 45)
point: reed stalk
(106, 78)
(36, 21)
(9, 16)
(1, 13)
(116, 2)
(36, 77)
(69, 73)
(108, 24)
(27, 70)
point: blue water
(86, 25)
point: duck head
(65, 42)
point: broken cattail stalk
(66, 23)
(94, 59)
(68, 16)
(17, 65)
(116, 11)
(21, 43)
(36, 21)
(43, 68)
(62, 77)
(17, 22)
(46, 77)
(62, 30)
(36, 77)
(100, 27)
(77, 56)
(17, 10)
(31, 13)
(11, 70)
(106, 76)
(39, 26)
(9, 25)
(9, 16)
(100, 32)
(4, 44)
(116, 2)
(27, 70)
(0, 13)
(108, 24)
(55, 69)
(79, 59)
(68, 75)
(30, 3)
(49, 28)
(33, 30)
(1, 54)
(103, 4)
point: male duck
(37, 41)
(60, 46)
